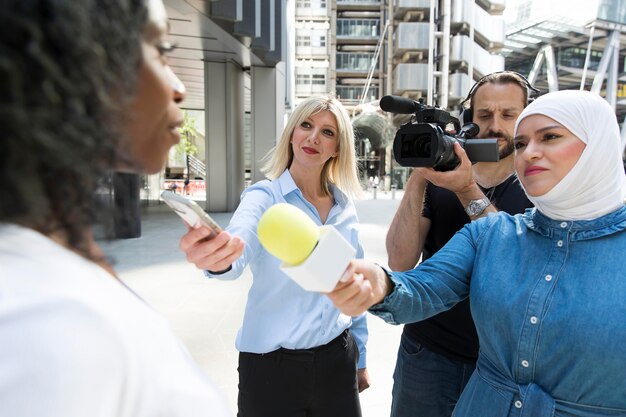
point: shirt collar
(580, 229)
(288, 185)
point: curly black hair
(67, 70)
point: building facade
(233, 56)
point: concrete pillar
(268, 109)
(127, 217)
(608, 55)
(224, 111)
(551, 68)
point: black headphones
(467, 114)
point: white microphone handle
(321, 271)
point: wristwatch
(476, 207)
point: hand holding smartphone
(191, 213)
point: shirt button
(518, 404)
(559, 243)
(533, 320)
(564, 225)
(525, 363)
(548, 277)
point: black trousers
(318, 382)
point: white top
(75, 342)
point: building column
(127, 214)
(268, 109)
(224, 115)
(608, 66)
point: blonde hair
(342, 170)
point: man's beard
(509, 146)
(508, 149)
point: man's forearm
(403, 243)
(474, 192)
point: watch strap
(476, 207)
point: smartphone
(190, 212)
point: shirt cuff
(362, 361)
(225, 274)
(383, 308)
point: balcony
(311, 81)
(312, 9)
(354, 94)
(488, 29)
(410, 78)
(311, 13)
(311, 89)
(358, 30)
(312, 52)
(358, 5)
(462, 51)
(412, 10)
(460, 85)
(354, 63)
(492, 6)
(411, 41)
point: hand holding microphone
(314, 257)
(366, 284)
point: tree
(188, 133)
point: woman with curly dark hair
(85, 89)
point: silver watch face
(476, 207)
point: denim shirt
(279, 313)
(549, 302)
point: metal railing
(196, 166)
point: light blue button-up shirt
(279, 313)
(549, 302)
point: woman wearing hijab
(547, 288)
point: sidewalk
(206, 314)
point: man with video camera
(437, 356)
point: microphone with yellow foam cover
(288, 233)
(314, 257)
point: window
(612, 10)
(303, 40)
(575, 57)
(346, 93)
(318, 40)
(311, 77)
(354, 61)
(317, 4)
(318, 79)
(303, 79)
(358, 27)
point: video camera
(423, 141)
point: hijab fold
(596, 184)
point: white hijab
(596, 185)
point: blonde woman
(298, 354)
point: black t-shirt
(452, 333)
